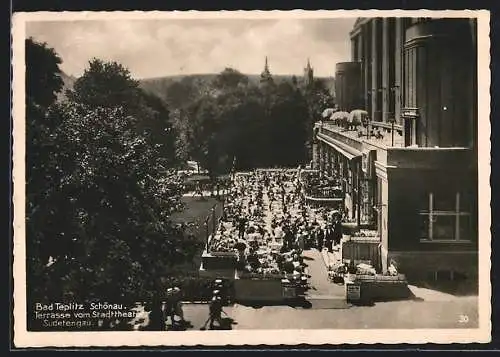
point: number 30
(463, 319)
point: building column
(327, 159)
(360, 46)
(366, 66)
(315, 154)
(375, 83)
(353, 48)
(321, 156)
(385, 69)
(398, 69)
(332, 156)
(361, 95)
(359, 193)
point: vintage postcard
(251, 177)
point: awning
(347, 151)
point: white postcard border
(23, 338)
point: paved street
(387, 315)
(328, 309)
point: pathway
(319, 282)
(322, 293)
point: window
(445, 217)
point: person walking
(329, 238)
(301, 241)
(179, 311)
(288, 239)
(170, 306)
(320, 237)
(156, 316)
(199, 191)
(215, 311)
(242, 222)
(337, 231)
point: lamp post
(213, 221)
(206, 235)
(392, 131)
(358, 198)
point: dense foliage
(100, 186)
(232, 120)
(101, 164)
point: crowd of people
(322, 186)
(267, 222)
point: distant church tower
(265, 76)
(308, 74)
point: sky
(163, 47)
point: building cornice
(381, 170)
(358, 25)
(344, 149)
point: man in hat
(199, 190)
(329, 238)
(177, 305)
(300, 240)
(169, 306)
(242, 223)
(320, 236)
(156, 317)
(174, 305)
(215, 310)
(337, 231)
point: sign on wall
(410, 113)
(353, 292)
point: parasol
(328, 112)
(339, 116)
(358, 117)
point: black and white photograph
(271, 177)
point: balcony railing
(381, 134)
(325, 192)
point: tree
(43, 75)
(99, 198)
(115, 240)
(156, 124)
(318, 98)
(110, 85)
(203, 138)
(107, 84)
(256, 126)
(230, 78)
(180, 93)
(288, 117)
(43, 82)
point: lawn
(194, 214)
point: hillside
(68, 83)
(159, 85)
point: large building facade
(411, 172)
